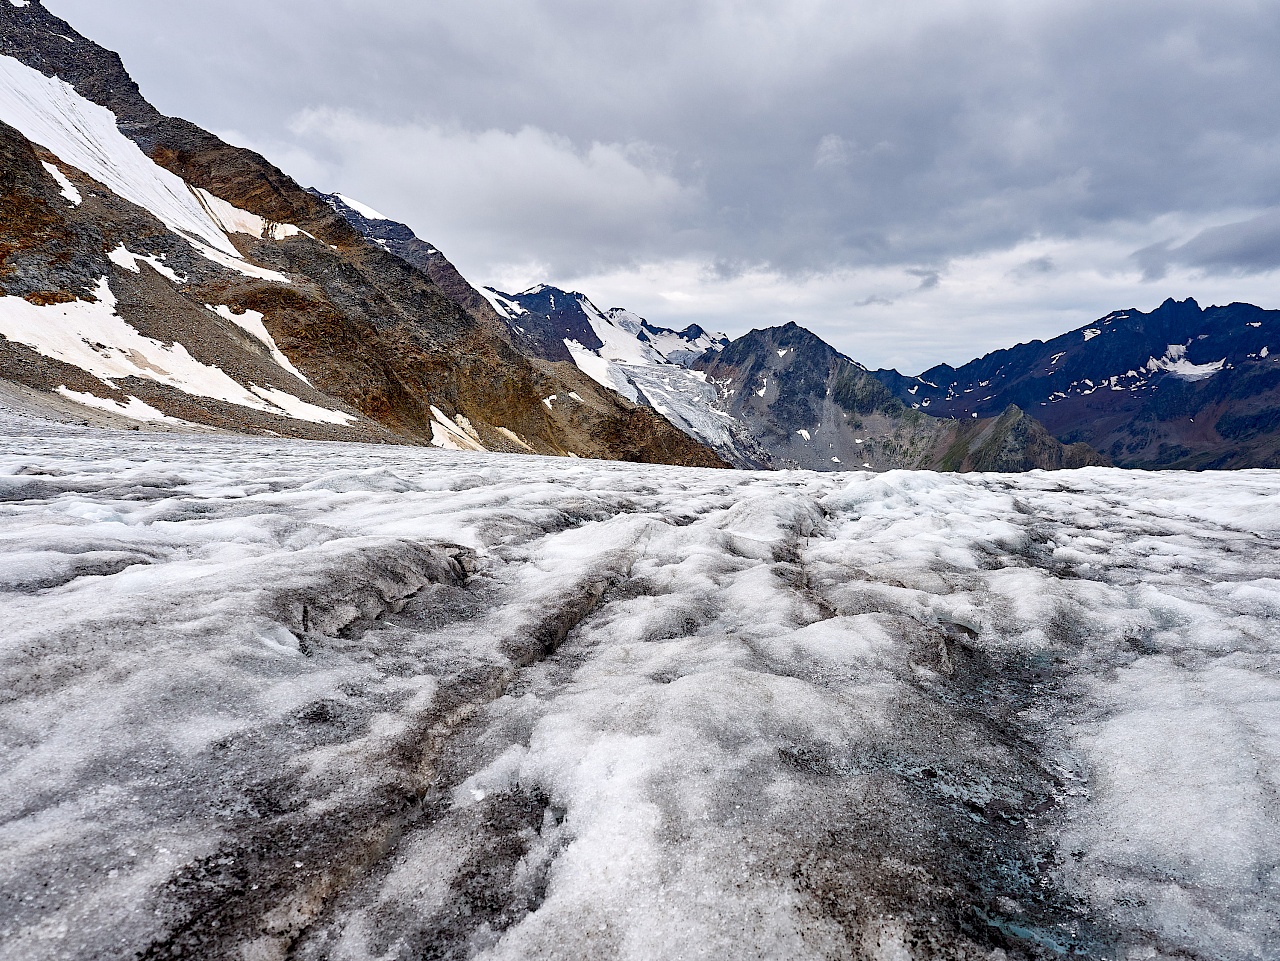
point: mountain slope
(222, 266)
(810, 406)
(623, 352)
(567, 325)
(1178, 387)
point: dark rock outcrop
(810, 406)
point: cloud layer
(742, 154)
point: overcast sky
(916, 182)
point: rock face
(810, 406)
(150, 271)
(647, 364)
(778, 398)
(1179, 387)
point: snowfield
(268, 699)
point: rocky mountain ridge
(1178, 387)
(779, 398)
(152, 273)
(810, 406)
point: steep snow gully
(272, 699)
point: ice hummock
(269, 698)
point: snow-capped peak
(364, 210)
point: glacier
(269, 699)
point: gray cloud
(1247, 247)
(1035, 267)
(929, 279)
(800, 139)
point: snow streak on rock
(93, 336)
(270, 699)
(49, 112)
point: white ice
(666, 713)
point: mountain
(566, 325)
(779, 398)
(646, 364)
(150, 272)
(1179, 387)
(810, 406)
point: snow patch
(67, 188)
(514, 438)
(364, 210)
(805, 434)
(236, 221)
(240, 266)
(251, 323)
(299, 409)
(453, 434)
(93, 337)
(1175, 362)
(505, 307)
(1091, 333)
(49, 112)
(122, 257)
(135, 409)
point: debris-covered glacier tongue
(275, 699)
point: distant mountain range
(151, 273)
(1179, 387)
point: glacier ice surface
(365, 702)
